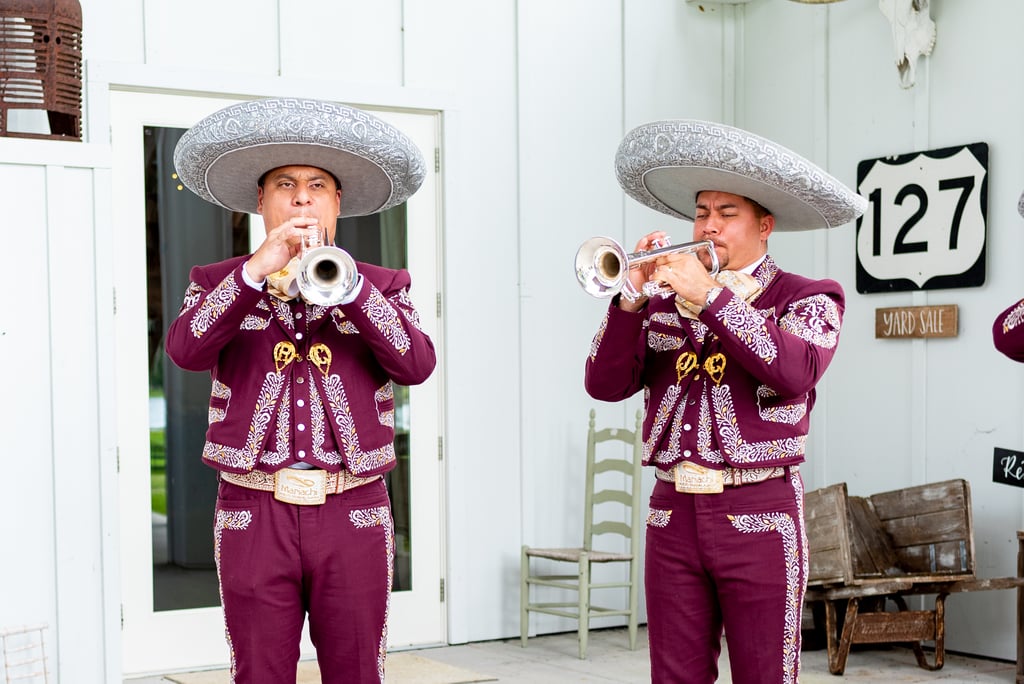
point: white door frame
(166, 641)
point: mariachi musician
(301, 418)
(727, 366)
(1008, 328)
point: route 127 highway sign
(924, 228)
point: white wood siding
(536, 96)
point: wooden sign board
(905, 322)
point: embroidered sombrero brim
(222, 157)
(664, 164)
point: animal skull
(913, 34)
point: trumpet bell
(601, 267)
(327, 275)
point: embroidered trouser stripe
(333, 561)
(734, 560)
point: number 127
(900, 246)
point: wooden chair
(629, 497)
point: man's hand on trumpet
(281, 245)
(682, 271)
(642, 273)
(686, 275)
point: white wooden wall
(59, 565)
(588, 72)
(901, 412)
(536, 96)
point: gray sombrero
(222, 157)
(664, 164)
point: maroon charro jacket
(297, 382)
(733, 388)
(1008, 332)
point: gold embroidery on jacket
(1014, 318)
(320, 356)
(814, 319)
(284, 353)
(382, 314)
(245, 457)
(219, 391)
(384, 397)
(215, 304)
(736, 447)
(715, 367)
(595, 344)
(686, 362)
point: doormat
(401, 668)
(409, 668)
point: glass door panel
(172, 616)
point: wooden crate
(868, 553)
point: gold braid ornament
(284, 353)
(320, 356)
(686, 362)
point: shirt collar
(749, 270)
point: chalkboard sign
(1008, 467)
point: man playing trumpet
(1008, 328)
(301, 418)
(728, 367)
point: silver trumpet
(327, 274)
(603, 266)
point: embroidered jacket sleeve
(788, 349)
(614, 369)
(390, 325)
(1008, 332)
(210, 316)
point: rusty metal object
(41, 64)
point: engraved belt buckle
(302, 487)
(696, 479)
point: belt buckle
(696, 479)
(301, 487)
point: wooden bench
(867, 552)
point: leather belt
(303, 487)
(730, 477)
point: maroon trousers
(278, 562)
(735, 560)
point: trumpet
(326, 274)
(603, 266)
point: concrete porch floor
(552, 659)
